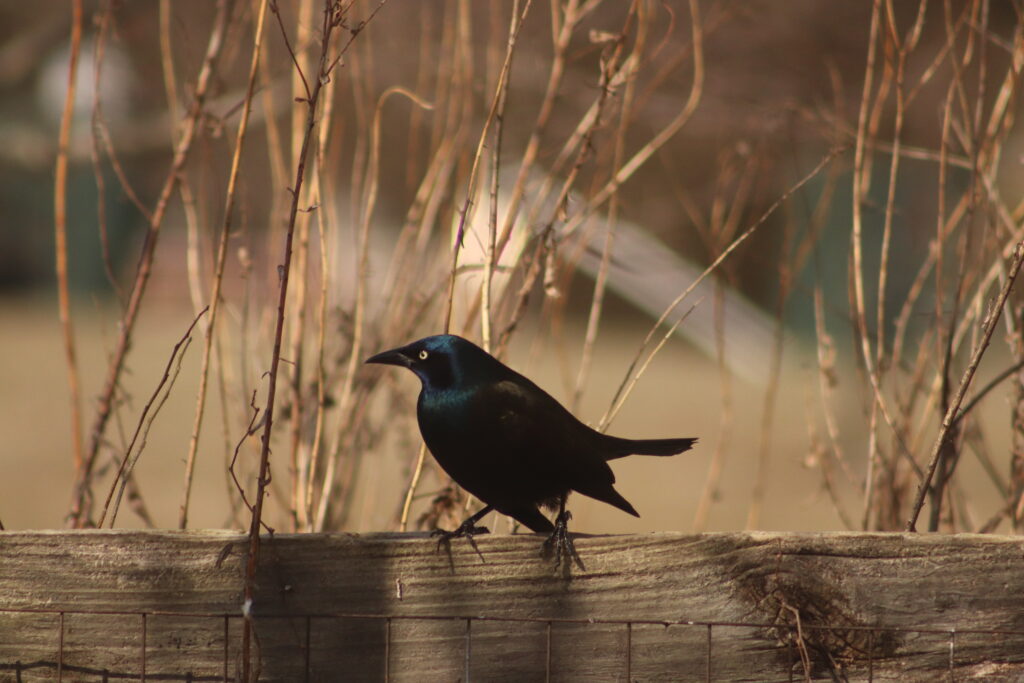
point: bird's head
(442, 361)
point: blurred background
(786, 222)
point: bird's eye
(423, 354)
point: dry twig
(988, 327)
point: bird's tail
(623, 447)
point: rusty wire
(62, 666)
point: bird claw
(560, 543)
(466, 530)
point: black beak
(392, 357)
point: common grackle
(508, 442)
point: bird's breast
(443, 415)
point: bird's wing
(542, 434)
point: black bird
(507, 441)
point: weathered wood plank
(348, 607)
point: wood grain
(906, 607)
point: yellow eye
(423, 354)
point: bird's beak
(392, 357)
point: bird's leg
(559, 541)
(467, 529)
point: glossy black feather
(506, 440)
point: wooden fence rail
(167, 606)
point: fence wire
(64, 668)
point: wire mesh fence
(109, 645)
(169, 606)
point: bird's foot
(560, 544)
(467, 530)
